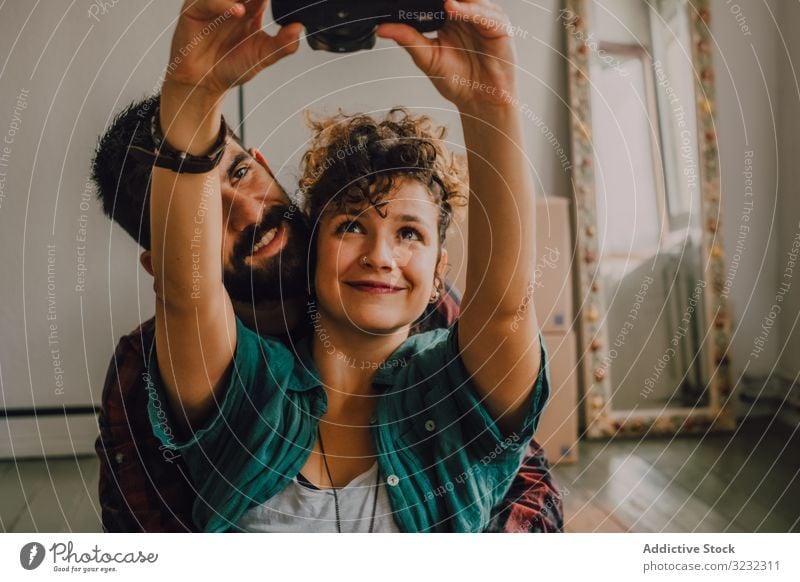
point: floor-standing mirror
(653, 319)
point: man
(145, 487)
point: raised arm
(472, 64)
(217, 44)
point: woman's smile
(374, 287)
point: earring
(435, 295)
(437, 283)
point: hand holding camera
(219, 44)
(473, 49)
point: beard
(281, 276)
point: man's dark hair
(123, 180)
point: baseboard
(36, 436)
(770, 396)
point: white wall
(77, 72)
(746, 81)
(788, 215)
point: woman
(439, 420)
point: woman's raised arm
(472, 64)
(498, 330)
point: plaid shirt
(144, 488)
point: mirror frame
(599, 419)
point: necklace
(336, 496)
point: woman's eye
(349, 226)
(410, 234)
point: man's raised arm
(217, 45)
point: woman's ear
(147, 262)
(441, 268)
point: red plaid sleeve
(533, 504)
(143, 488)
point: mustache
(290, 214)
(253, 233)
(281, 274)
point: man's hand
(219, 44)
(472, 60)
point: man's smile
(271, 242)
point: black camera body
(344, 26)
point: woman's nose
(386, 253)
(380, 255)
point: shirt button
(392, 480)
(372, 420)
(430, 426)
(119, 457)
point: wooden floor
(747, 482)
(52, 495)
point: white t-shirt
(303, 508)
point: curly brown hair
(355, 160)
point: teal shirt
(443, 459)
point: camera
(344, 26)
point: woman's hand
(472, 61)
(219, 44)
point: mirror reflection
(647, 191)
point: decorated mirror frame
(600, 420)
